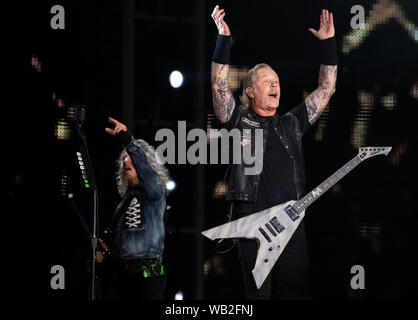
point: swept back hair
(248, 81)
(161, 171)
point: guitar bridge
(291, 213)
(276, 225)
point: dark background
(115, 58)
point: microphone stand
(89, 173)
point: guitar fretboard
(308, 199)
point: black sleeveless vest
(243, 187)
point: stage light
(382, 12)
(170, 185)
(220, 190)
(176, 79)
(359, 133)
(371, 232)
(62, 130)
(211, 123)
(398, 153)
(323, 119)
(365, 99)
(389, 101)
(360, 129)
(322, 124)
(178, 296)
(235, 76)
(414, 90)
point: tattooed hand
(326, 26)
(218, 16)
(318, 99)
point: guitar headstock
(368, 152)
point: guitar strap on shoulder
(234, 241)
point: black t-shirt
(276, 183)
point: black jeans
(289, 277)
(128, 284)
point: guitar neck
(308, 199)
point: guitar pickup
(291, 213)
(269, 228)
(264, 234)
(276, 225)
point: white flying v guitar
(274, 227)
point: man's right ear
(249, 92)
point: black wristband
(328, 51)
(124, 137)
(222, 53)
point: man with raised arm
(282, 177)
(137, 228)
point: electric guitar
(273, 227)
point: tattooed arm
(318, 100)
(223, 101)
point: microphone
(77, 113)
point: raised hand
(218, 16)
(118, 126)
(326, 26)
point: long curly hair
(248, 82)
(162, 172)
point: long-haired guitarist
(138, 232)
